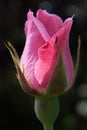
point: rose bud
(46, 66)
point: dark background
(16, 107)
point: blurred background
(16, 107)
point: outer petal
(35, 37)
(39, 25)
(65, 50)
(52, 22)
(45, 66)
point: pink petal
(52, 22)
(35, 37)
(45, 66)
(28, 22)
(65, 50)
(68, 64)
(38, 24)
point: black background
(16, 107)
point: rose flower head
(45, 66)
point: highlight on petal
(68, 22)
(52, 22)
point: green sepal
(78, 56)
(58, 82)
(20, 74)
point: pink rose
(46, 52)
(40, 56)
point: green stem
(47, 110)
(48, 127)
